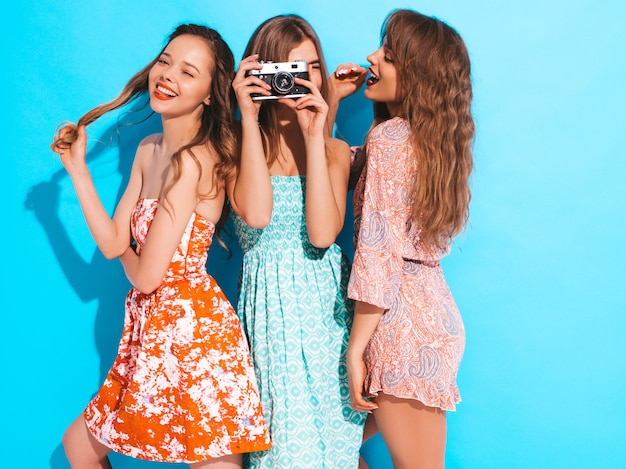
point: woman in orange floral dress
(182, 388)
(410, 201)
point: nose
(167, 74)
(372, 57)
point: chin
(368, 94)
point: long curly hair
(434, 86)
(273, 40)
(217, 123)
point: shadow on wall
(97, 278)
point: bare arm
(146, 271)
(326, 174)
(111, 234)
(343, 82)
(366, 319)
(250, 190)
(326, 191)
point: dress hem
(125, 451)
(449, 405)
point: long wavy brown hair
(273, 40)
(217, 123)
(434, 86)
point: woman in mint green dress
(288, 203)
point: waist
(283, 250)
(425, 263)
(174, 277)
(275, 241)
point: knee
(81, 449)
(69, 442)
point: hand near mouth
(347, 79)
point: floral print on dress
(417, 347)
(182, 388)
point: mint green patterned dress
(296, 315)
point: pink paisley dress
(417, 346)
(182, 387)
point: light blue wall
(539, 275)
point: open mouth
(164, 92)
(372, 79)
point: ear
(207, 100)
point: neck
(178, 131)
(292, 152)
(395, 110)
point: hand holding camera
(280, 76)
(257, 81)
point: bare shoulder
(148, 143)
(199, 163)
(150, 140)
(145, 149)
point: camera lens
(283, 82)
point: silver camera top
(281, 78)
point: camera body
(280, 76)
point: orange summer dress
(416, 349)
(182, 388)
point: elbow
(113, 250)
(257, 220)
(322, 241)
(146, 287)
(146, 291)
(255, 213)
(111, 254)
(148, 283)
(323, 237)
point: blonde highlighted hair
(434, 87)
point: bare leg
(232, 461)
(415, 434)
(83, 451)
(369, 430)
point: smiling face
(307, 52)
(180, 80)
(382, 84)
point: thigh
(415, 434)
(82, 448)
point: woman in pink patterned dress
(182, 388)
(411, 200)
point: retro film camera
(280, 76)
